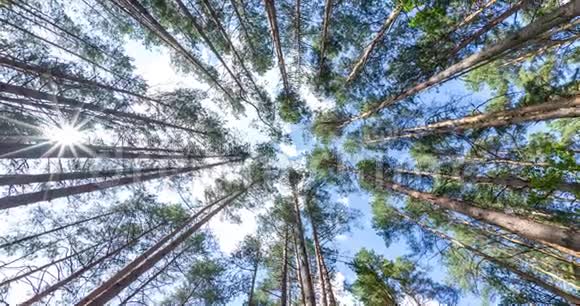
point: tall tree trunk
(39, 296)
(319, 262)
(284, 276)
(559, 16)
(51, 194)
(511, 181)
(271, 11)
(471, 17)
(486, 28)
(242, 24)
(298, 270)
(253, 285)
(509, 267)
(123, 279)
(82, 107)
(566, 241)
(324, 35)
(363, 58)
(56, 73)
(298, 39)
(134, 9)
(303, 255)
(568, 107)
(55, 150)
(55, 229)
(199, 28)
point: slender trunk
(303, 255)
(201, 32)
(559, 16)
(56, 229)
(242, 24)
(490, 25)
(55, 150)
(299, 270)
(324, 36)
(16, 278)
(284, 277)
(253, 284)
(298, 38)
(471, 17)
(82, 107)
(319, 262)
(75, 54)
(51, 194)
(564, 108)
(55, 72)
(271, 11)
(126, 279)
(506, 161)
(363, 58)
(134, 9)
(523, 275)
(566, 241)
(511, 181)
(39, 296)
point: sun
(65, 134)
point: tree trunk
(324, 36)
(51, 194)
(319, 263)
(284, 277)
(82, 107)
(523, 275)
(109, 290)
(271, 11)
(490, 25)
(298, 270)
(252, 286)
(134, 9)
(563, 108)
(56, 229)
(471, 17)
(566, 241)
(55, 150)
(243, 26)
(362, 60)
(303, 255)
(39, 296)
(54, 72)
(559, 16)
(510, 181)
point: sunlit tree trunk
(271, 11)
(324, 35)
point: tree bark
(54, 72)
(252, 286)
(298, 270)
(471, 17)
(563, 108)
(303, 255)
(523, 275)
(134, 9)
(39, 296)
(55, 150)
(559, 16)
(319, 263)
(101, 296)
(511, 181)
(81, 107)
(324, 36)
(566, 241)
(51, 194)
(284, 277)
(271, 11)
(363, 58)
(487, 27)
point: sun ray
(5, 155)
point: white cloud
(343, 296)
(341, 237)
(229, 234)
(289, 150)
(314, 102)
(344, 200)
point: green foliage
(292, 107)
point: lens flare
(65, 135)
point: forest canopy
(290, 152)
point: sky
(154, 66)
